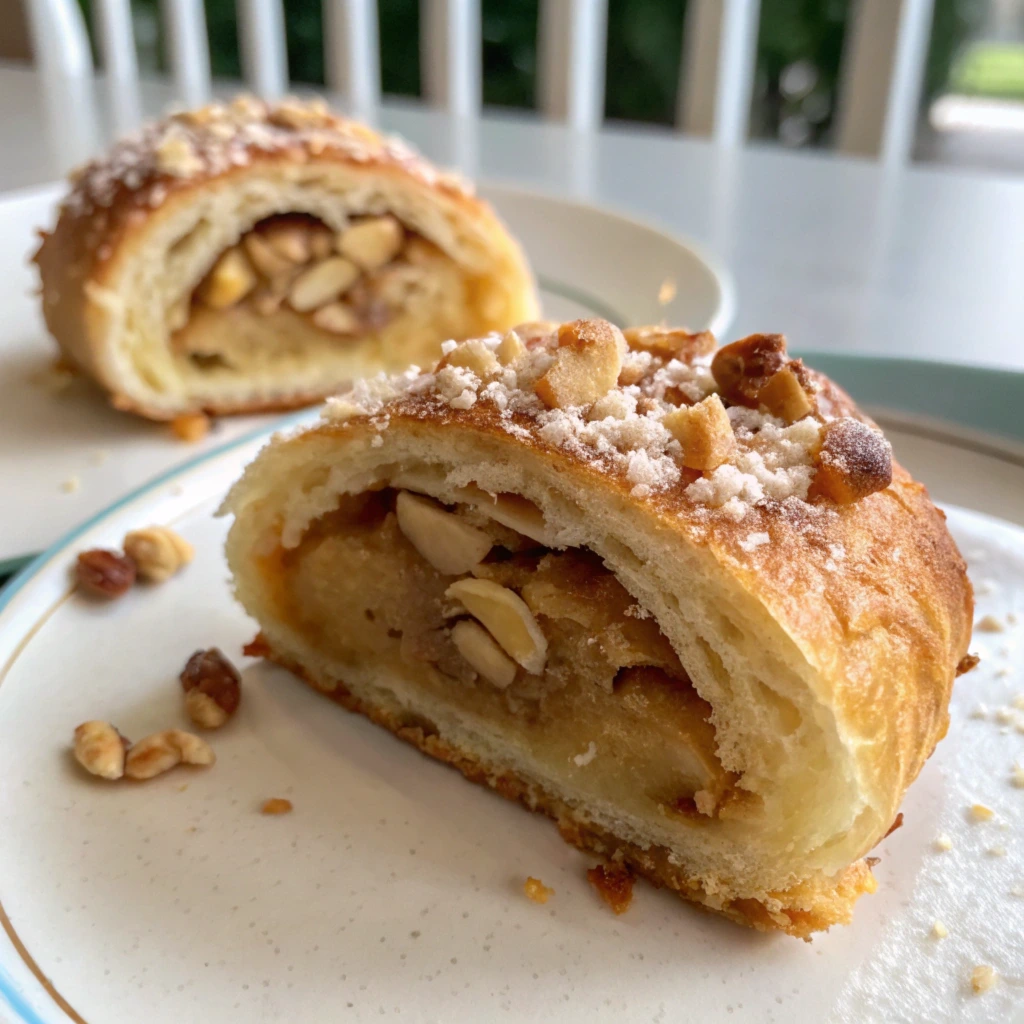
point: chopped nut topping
(979, 812)
(743, 368)
(213, 688)
(704, 431)
(104, 573)
(190, 426)
(372, 242)
(483, 653)
(587, 364)
(537, 891)
(511, 349)
(230, 280)
(158, 552)
(276, 805)
(670, 343)
(161, 751)
(854, 461)
(445, 540)
(614, 884)
(176, 155)
(983, 977)
(476, 356)
(100, 749)
(784, 396)
(506, 617)
(989, 624)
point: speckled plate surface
(66, 454)
(394, 888)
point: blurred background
(972, 98)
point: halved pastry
(682, 601)
(252, 256)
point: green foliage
(643, 56)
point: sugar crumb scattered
(1017, 776)
(997, 851)
(276, 805)
(989, 624)
(983, 977)
(667, 292)
(537, 891)
(614, 884)
(70, 485)
(979, 812)
(943, 842)
(980, 711)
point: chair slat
(60, 41)
(571, 66)
(882, 76)
(451, 54)
(113, 23)
(717, 74)
(352, 52)
(262, 41)
(188, 48)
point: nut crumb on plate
(614, 884)
(276, 805)
(104, 573)
(667, 292)
(190, 426)
(989, 624)
(983, 977)
(1017, 778)
(158, 552)
(100, 749)
(939, 930)
(979, 812)
(213, 688)
(537, 891)
(943, 842)
(161, 751)
(72, 484)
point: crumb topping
(616, 401)
(214, 139)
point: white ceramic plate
(588, 262)
(394, 888)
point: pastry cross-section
(596, 571)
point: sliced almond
(479, 648)
(474, 355)
(321, 242)
(447, 542)
(517, 513)
(704, 431)
(230, 280)
(372, 242)
(506, 617)
(337, 318)
(587, 364)
(264, 257)
(322, 283)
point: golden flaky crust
(799, 911)
(823, 623)
(116, 203)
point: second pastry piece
(250, 256)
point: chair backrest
(881, 74)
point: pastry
(682, 600)
(251, 256)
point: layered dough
(260, 256)
(597, 573)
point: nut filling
(291, 277)
(503, 627)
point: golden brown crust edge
(799, 912)
(116, 198)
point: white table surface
(839, 254)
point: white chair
(878, 100)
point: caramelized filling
(613, 710)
